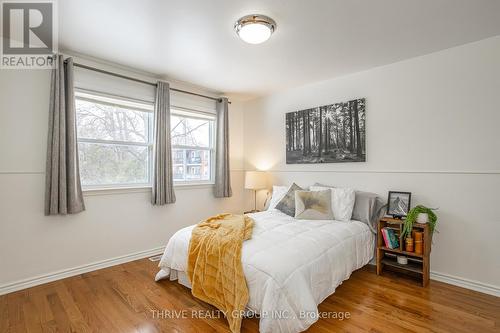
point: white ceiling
(194, 41)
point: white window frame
(123, 102)
(195, 114)
(145, 106)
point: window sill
(115, 190)
(140, 189)
(181, 186)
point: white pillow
(278, 193)
(342, 201)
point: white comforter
(290, 265)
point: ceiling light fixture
(255, 28)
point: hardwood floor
(125, 298)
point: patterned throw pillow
(278, 194)
(287, 204)
(343, 200)
(313, 205)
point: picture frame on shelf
(398, 204)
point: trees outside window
(115, 143)
(193, 144)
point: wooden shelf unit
(418, 264)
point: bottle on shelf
(409, 244)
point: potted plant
(417, 214)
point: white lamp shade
(255, 180)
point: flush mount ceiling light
(255, 28)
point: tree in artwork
(327, 134)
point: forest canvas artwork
(327, 134)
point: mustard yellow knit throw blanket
(214, 264)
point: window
(115, 143)
(192, 146)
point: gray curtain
(222, 175)
(63, 190)
(163, 184)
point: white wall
(432, 129)
(115, 224)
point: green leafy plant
(412, 217)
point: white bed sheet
(290, 265)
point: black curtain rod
(142, 81)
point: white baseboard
(35, 281)
(466, 283)
(461, 282)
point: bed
(290, 265)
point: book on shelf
(390, 238)
(393, 238)
(384, 236)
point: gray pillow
(313, 205)
(368, 208)
(287, 203)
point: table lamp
(255, 180)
